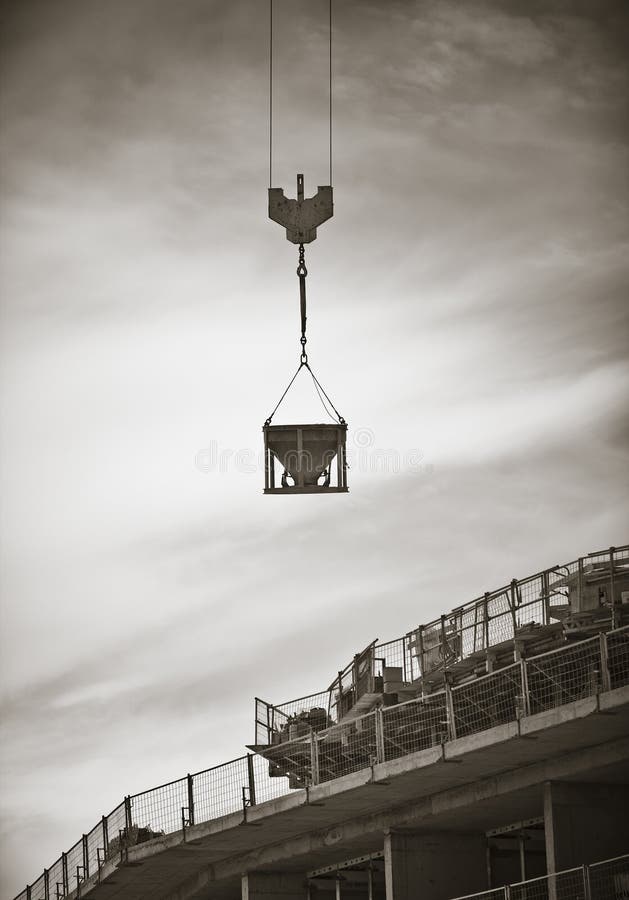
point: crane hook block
(301, 217)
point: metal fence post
(612, 586)
(486, 619)
(513, 602)
(105, 837)
(86, 861)
(420, 644)
(46, 884)
(546, 596)
(450, 720)
(252, 780)
(379, 723)
(28, 892)
(405, 640)
(190, 779)
(64, 873)
(314, 758)
(605, 683)
(128, 820)
(526, 698)
(587, 890)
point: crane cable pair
(310, 235)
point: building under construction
(483, 754)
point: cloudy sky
(467, 314)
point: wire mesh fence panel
(116, 822)
(74, 859)
(95, 848)
(470, 628)
(394, 654)
(55, 880)
(343, 694)
(618, 657)
(267, 787)
(569, 885)
(564, 675)
(415, 725)
(346, 748)
(488, 701)
(157, 811)
(500, 618)
(610, 880)
(38, 889)
(219, 791)
(263, 721)
(528, 599)
(297, 718)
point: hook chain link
(302, 271)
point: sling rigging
(306, 451)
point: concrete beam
(584, 823)
(434, 866)
(274, 886)
(429, 810)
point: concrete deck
(471, 784)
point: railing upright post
(449, 708)
(605, 684)
(105, 836)
(580, 564)
(612, 586)
(379, 724)
(526, 697)
(486, 619)
(46, 884)
(190, 779)
(513, 604)
(86, 861)
(128, 820)
(420, 644)
(406, 640)
(28, 892)
(587, 889)
(546, 596)
(251, 775)
(64, 873)
(314, 758)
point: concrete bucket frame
(309, 454)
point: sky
(467, 315)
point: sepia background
(467, 315)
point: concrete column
(434, 866)
(584, 823)
(272, 885)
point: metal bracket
(247, 804)
(310, 802)
(301, 217)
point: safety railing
(532, 685)
(494, 621)
(607, 880)
(173, 807)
